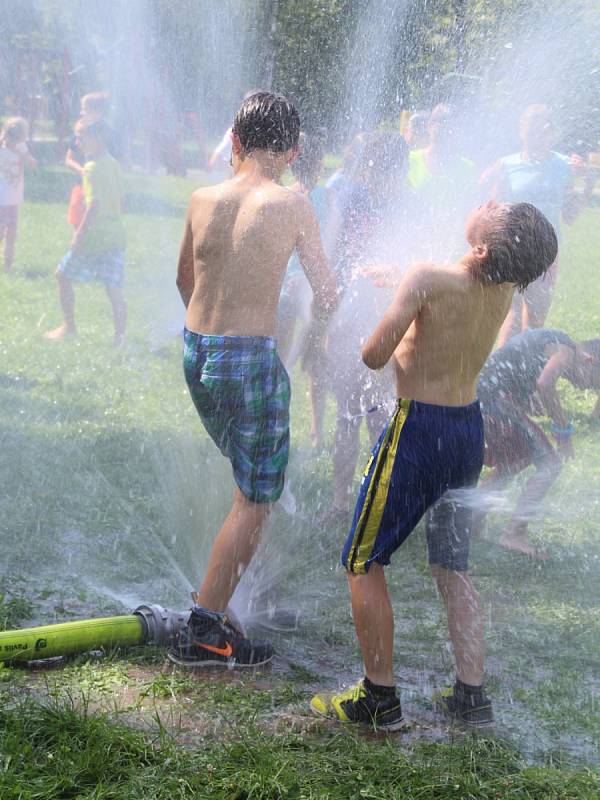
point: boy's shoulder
(441, 279)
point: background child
(527, 366)
(14, 156)
(372, 231)
(543, 177)
(94, 107)
(293, 316)
(438, 332)
(98, 247)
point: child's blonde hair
(14, 131)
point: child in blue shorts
(97, 251)
(438, 332)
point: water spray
(148, 625)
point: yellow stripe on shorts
(371, 514)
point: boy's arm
(73, 165)
(30, 160)
(185, 266)
(414, 291)
(314, 262)
(555, 368)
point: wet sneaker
(210, 640)
(471, 708)
(358, 705)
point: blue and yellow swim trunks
(427, 458)
(242, 393)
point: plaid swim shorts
(242, 393)
(107, 267)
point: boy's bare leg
(119, 309)
(465, 622)
(374, 623)
(515, 536)
(232, 551)
(10, 238)
(66, 295)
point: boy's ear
(480, 251)
(235, 143)
(293, 154)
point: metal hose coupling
(160, 626)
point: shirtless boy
(238, 239)
(528, 367)
(438, 330)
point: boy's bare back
(440, 356)
(239, 237)
(444, 320)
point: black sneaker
(210, 640)
(358, 705)
(471, 708)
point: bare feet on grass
(521, 544)
(63, 331)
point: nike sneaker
(210, 640)
(358, 705)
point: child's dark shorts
(427, 458)
(513, 441)
(242, 393)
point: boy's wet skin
(238, 240)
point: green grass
(58, 751)
(111, 495)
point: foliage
(206, 56)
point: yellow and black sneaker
(378, 707)
(210, 640)
(467, 704)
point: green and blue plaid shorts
(242, 393)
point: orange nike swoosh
(222, 651)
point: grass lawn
(111, 495)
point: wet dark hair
(306, 167)
(267, 121)
(521, 247)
